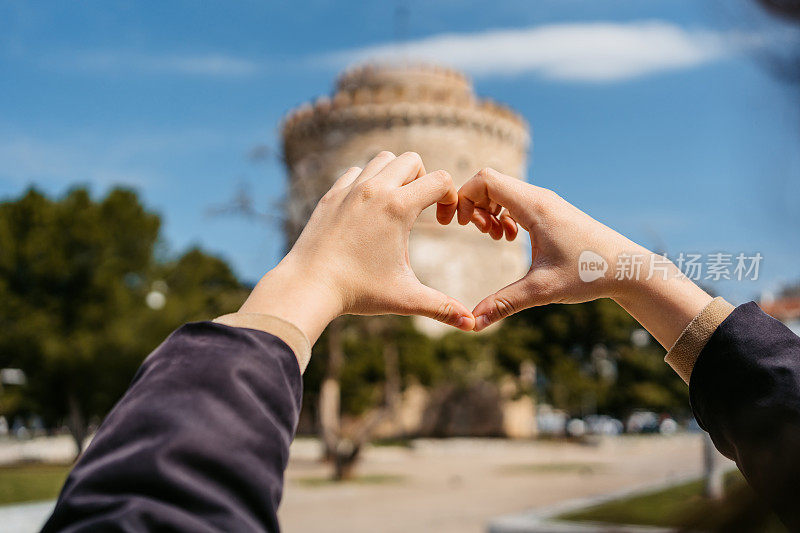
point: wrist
(661, 298)
(297, 295)
(629, 269)
(653, 273)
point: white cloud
(29, 160)
(581, 52)
(132, 160)
(213, 65)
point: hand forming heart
(651, 288)
(559, 233)
(352, 256)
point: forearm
(745, 391)
(742, 367)
(199, 441)
(665, 303)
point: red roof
(783, 309)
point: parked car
(642, 422)
(603, 425)
(550, 421)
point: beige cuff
(687, 348)
(285, 331)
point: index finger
(404, 169)
(436, 187)
(487, 189)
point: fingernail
(481, 322)
(466, 323)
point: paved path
(60, 449)
(460, 485)
(454, 485)
(24, 518)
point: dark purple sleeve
(199, 442)
(745, 391)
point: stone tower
(425, 109)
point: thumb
(505, 302)
(425, 301)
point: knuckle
(384, 154)
(395, 207)
(328, 198)
(354, 170)
(504, 307)
(367, 191)
(487, 174)
(443, 178)
(413, 156)
(444, 312)
(441, 182)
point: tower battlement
(437, 79)
(373, 96)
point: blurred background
(157, 159)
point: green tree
(85, 298)
(360, 366)
(586, 361)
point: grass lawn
(368, 479)
(549, 468)
(683, 506)
(31, 482)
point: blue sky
(678, 137)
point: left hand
(352, 256)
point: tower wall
(426, 110)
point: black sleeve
(745, 391)
(199, 442)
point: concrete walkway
(544, 520)
(457, 485)
(24, 518)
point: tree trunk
(343, 451)
(330, 393)
(343, 468)
(344, 460)
(76, 423)
(393, 393)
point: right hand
(559, 232)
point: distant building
(425, 109)
(786, 309)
